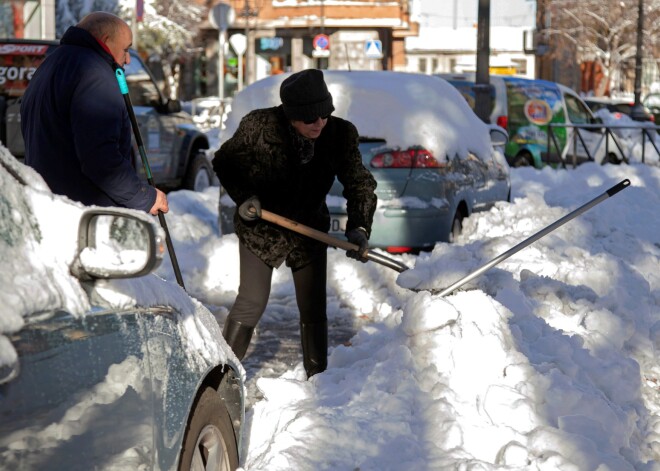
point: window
(141, 88)
(577, 113)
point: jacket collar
(75, 36)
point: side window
(141, 88)
(577, 112)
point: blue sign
(272, 44)
(321, 42)
(373, 49)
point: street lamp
(637, 112)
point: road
(275, 347)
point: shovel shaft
(330, 240)
(560, 222)
(123, 86)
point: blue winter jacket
(76, 127)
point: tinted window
(141, 88)
(577, 112)
(466, 89)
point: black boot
(314, 338)
(238, 337)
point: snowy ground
(547, 361)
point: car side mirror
(116, 243)
(173, 106)
(169, 106)
(498, 135)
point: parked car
(527, 107)
(652, 103)
(102, 364)
(617, 106)
(433, 159)
(175, 146)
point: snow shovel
(400, 267)
(123, 86)
(530, 240)
(331, 241)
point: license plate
(338, 224)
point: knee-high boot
(238, 337)
(314, 339)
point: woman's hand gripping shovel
(400, 267)
(123, 86)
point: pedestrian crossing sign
(373, 49)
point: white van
(526, 108)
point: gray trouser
(254, 289)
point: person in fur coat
(285, 159)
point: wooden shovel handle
(307, 231)
(331, 241)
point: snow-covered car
(104, 365)
(175, 146)
(412, 130)
(617, 106)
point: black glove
(358, 237)
(250, 210)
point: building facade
(447, 39)
(291, 35)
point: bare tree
(168, 26)
(602, 32)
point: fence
(612, 141)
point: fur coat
(265, 158)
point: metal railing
(648, 131)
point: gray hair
(101, 24)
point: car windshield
(368, 148)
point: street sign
(238, 42)
(373, 49)
(221, 16)
(321, 45)
(321, 42)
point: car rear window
(18, 62)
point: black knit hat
(305, 96)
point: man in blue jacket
(75, 123)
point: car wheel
(456, 227)
(198, 177)
(522, 160)
(209, 442)
(610, 159)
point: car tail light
(503, 122)
(415, 157)
(399, 249)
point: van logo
(26, 49)
(538, 111)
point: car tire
(199, 175)
(456, 227)
(209, 436)
(522, 160)
(610, 159)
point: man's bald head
(102, 25)
(111, 31)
